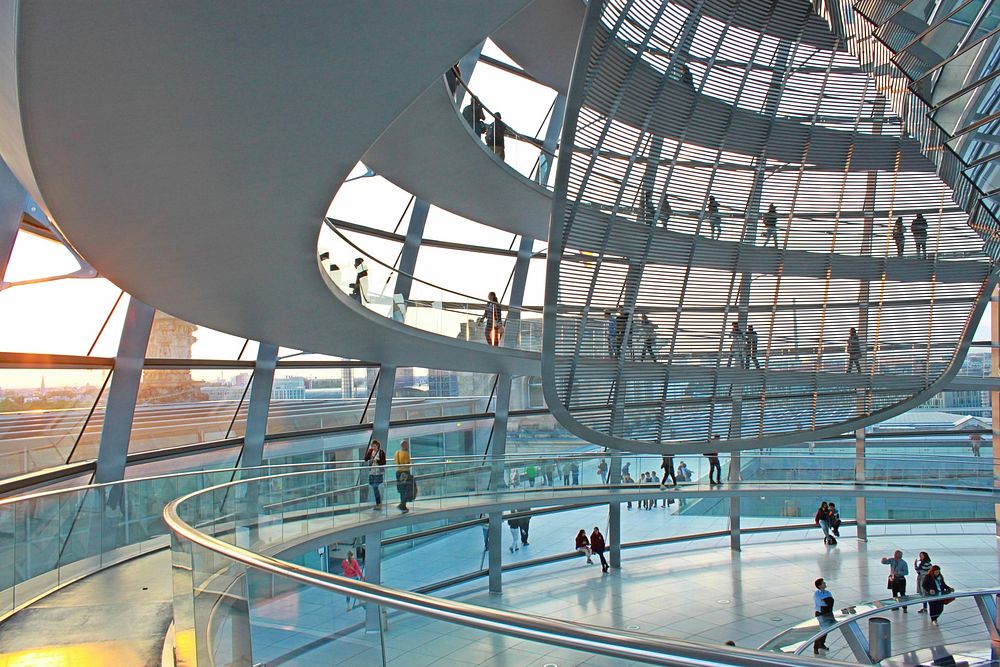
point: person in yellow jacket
(404, 476)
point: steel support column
(512, 334)
(408, 255)
(259, 405)
(373, 575)
(383, 406)
(494, 545)
(123, 393)
(735, 508)
(860, 503)
(995, 396)
(12, 199)
(615, 514)
(551, 141)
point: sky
(65, 316)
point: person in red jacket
(352, 570)
(597, 546)
(583, 545)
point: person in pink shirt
(352, 570)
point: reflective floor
(116, 617)
(698, 590)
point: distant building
(170, 338)
(288, 389)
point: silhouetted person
(648, 337)
(853, 351)
(771, 226)
(611, 324)
(665, 211)
(714, 466)
(621, 324)
(919, 230)
(493, 316)
(899, 236)
(495, 134)
(474, 116)
(737, 347)
(686, 78)
(751, 345)
(714, 218)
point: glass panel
(318, 398)
(34, 257)
(421, 393)
(460, 438)
(174, 338)
(179, 407)
(43, 412)
(59, 317)
(317, 449)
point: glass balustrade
(246, 605)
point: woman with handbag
(375, 458)
(934, 584)
(404, 478)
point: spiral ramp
(191, 151)
(804, 129)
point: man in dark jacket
(495, 135)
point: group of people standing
(493, 134)
(918, 228)
(406, 485)
(743, 347)
(617, 326)
(929, 580)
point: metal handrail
(878, 607)
(604, 641)
(569, 635)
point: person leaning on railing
(934, 584)
(493, 317)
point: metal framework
(687, 122)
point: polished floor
(116, 617)
(697, 590)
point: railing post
(860, 503)
(995, 396)
(988, 610)
(373, 574)
(857, 641)
(494, 545)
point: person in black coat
(934, 584)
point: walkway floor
(116, 617)
(698, 590)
